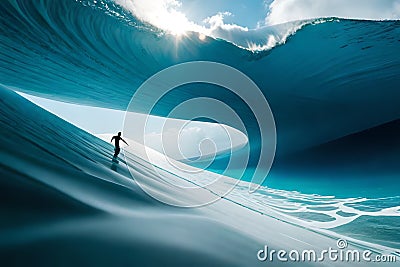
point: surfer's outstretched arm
(112, 139)
(124, 141)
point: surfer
(117, 148)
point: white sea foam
(308, 210)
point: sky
(247, 13)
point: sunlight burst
(175, 22)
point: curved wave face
(96, 53)
(329, 82)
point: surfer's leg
(117, 150)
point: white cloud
(290, 10)
(217, 28)
(217, 22)
(165, 15)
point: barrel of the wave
(213, 88)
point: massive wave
(337, 77)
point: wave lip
(283, 19)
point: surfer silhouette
(116, 139)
